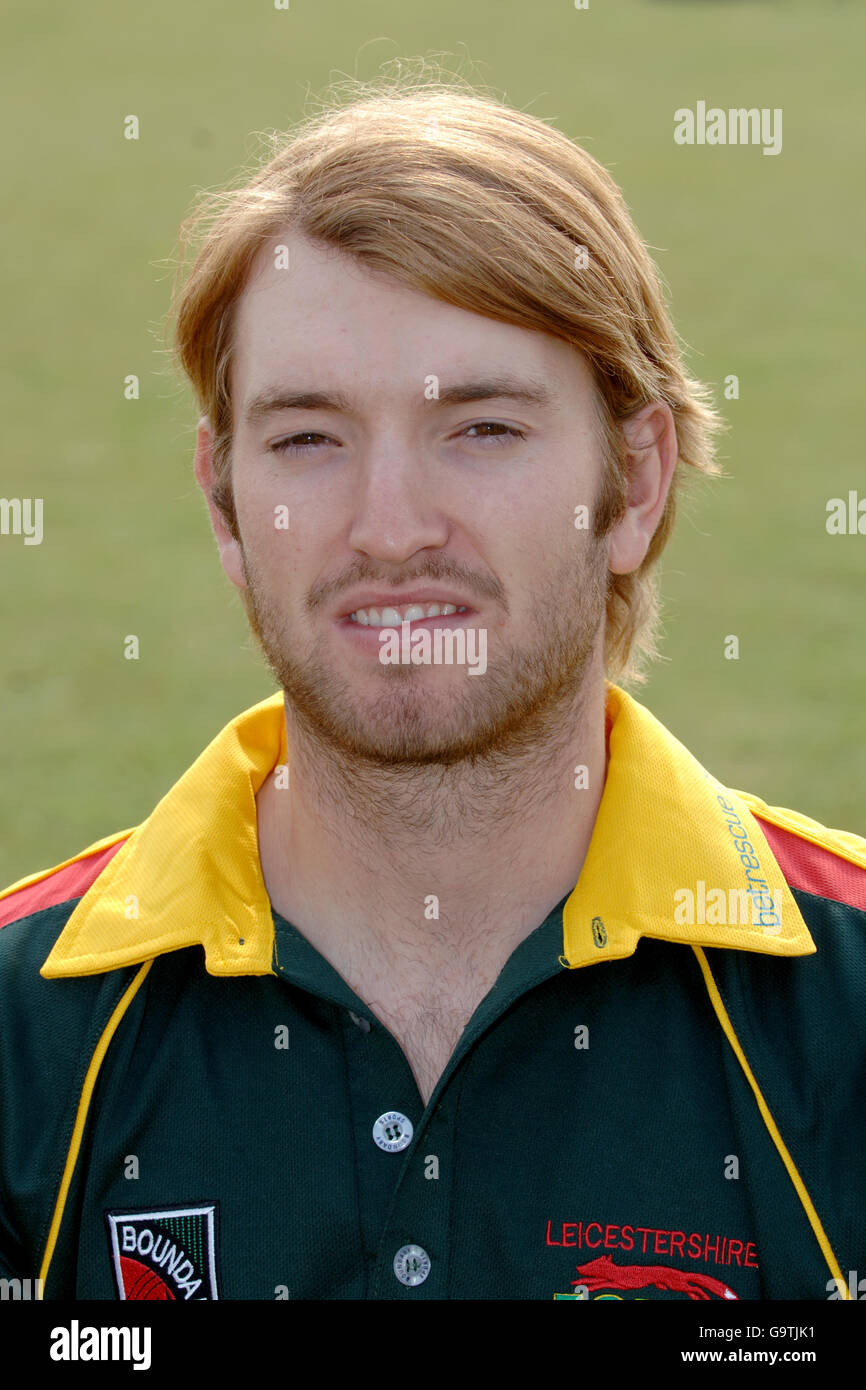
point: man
(447, 972)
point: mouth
(392, 615)
(367, 634)
(421, 600)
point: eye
(497, 425)
(288, 446)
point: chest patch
(165, 1255)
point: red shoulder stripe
(815, 869)
(72, 881)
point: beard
(528, 694)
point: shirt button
(411, 1265)
(393, 1132)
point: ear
(229, 549)
(651, 441)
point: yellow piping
(81, 1117)
(799, 1185)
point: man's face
(392, 491)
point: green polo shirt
(196, 1105)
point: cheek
(528, 533)
(265, 517)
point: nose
(395, 509)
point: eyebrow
(274, 399)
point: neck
(494, 840)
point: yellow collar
(666, 828)
(191, 872)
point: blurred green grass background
(764, 264)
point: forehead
(327, 320)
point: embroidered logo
(601, 1278)
(599, 934)
(164, 1255)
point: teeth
(408, 612)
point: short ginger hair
(457, 195)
